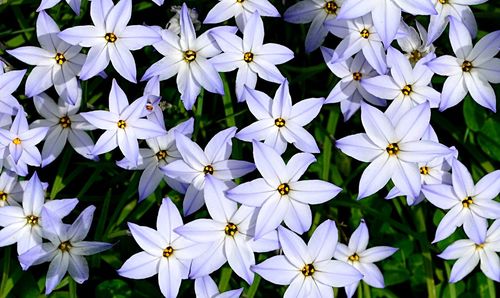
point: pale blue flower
(361, 258)
(66, 249)
(74, 4)
(205, 287)
(414, 44)
(9, 81)
(280, 194)
(468, 204)
(122, 124)
(250, 56)
(10, 189)
(392, 149)
(110, 39)
(308, 269)
(197, 164)
(472, 70)
(278, 122)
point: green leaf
(115, 288)
(489, 138)
(474, 114)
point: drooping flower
(174, 24)
(197, 164)
(392, 149)
(240, 10)
(162, 151)
(278, 122)
(279, 193)
(250, 56)
(230, 234)
(470, 252)
(165, 252)
(386, 13)
(187, 56)
(308, 269)
(9, 81)
(66, 249)
(10, 189)
(349, 91)
(471, 70)
(110, 39)
(65, 125)
(414, 44)
(20, 144)
(406, 86)
(357, 255)
(316, 12)
(123, 125)
(46, 4)
(468, 204)
(23, 224)
(56, 63)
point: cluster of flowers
(399, 143)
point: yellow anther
(189, 56)
(110, 37)
(392, 149)
(231, 229)
(283, 189)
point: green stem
(225, 277)
(426, 254)
(5, 272)
(72, 289)
(253, 288)
(491, 288)
(451, 286)
(366, 290)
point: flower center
(3, 196)
(356, 76)
(415, 56)
(283, 189)
(161, 155)
(168, 251)
(443, 1)
(189, 56)
(32, 220)
(149, 107)
(121, 124)
(466, 66)
(16, 141)
(364, 33)
(354, 258)
(208, 169)
(467, 202)
(240, 1)
(407, 90)
(248, 57)
(308, 270)
(392, 149)
(480, 246)
(110, 37)
(424, 170)
(65, 122)
(231, 229)
(331, 7)
(65, 246)
(60, 59)
(279, 122)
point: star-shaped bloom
(229, 232)
(316, 12)
(279, 193)
(308, 269)
(162, 151)
(110, 39)
(197, 164)
(174, 24)
(57, 63)
(406, 86)
(392, 149)
(10, 189)
(357, 255)
(471, 70)
(386, 13)
(436, 171)
(187, 56)
(64, 125)
(240, 10)
(250, 56)
(349, 91)
(66, 249)
(24, 224)
(123, 125)
(468, 204)
(278, 122)
(470, 252)
(459, 9)
(20, 141)
(205, 287)
(46, 4)
(165, 252)
(414, 44)
(359, 35)
(9, 81)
